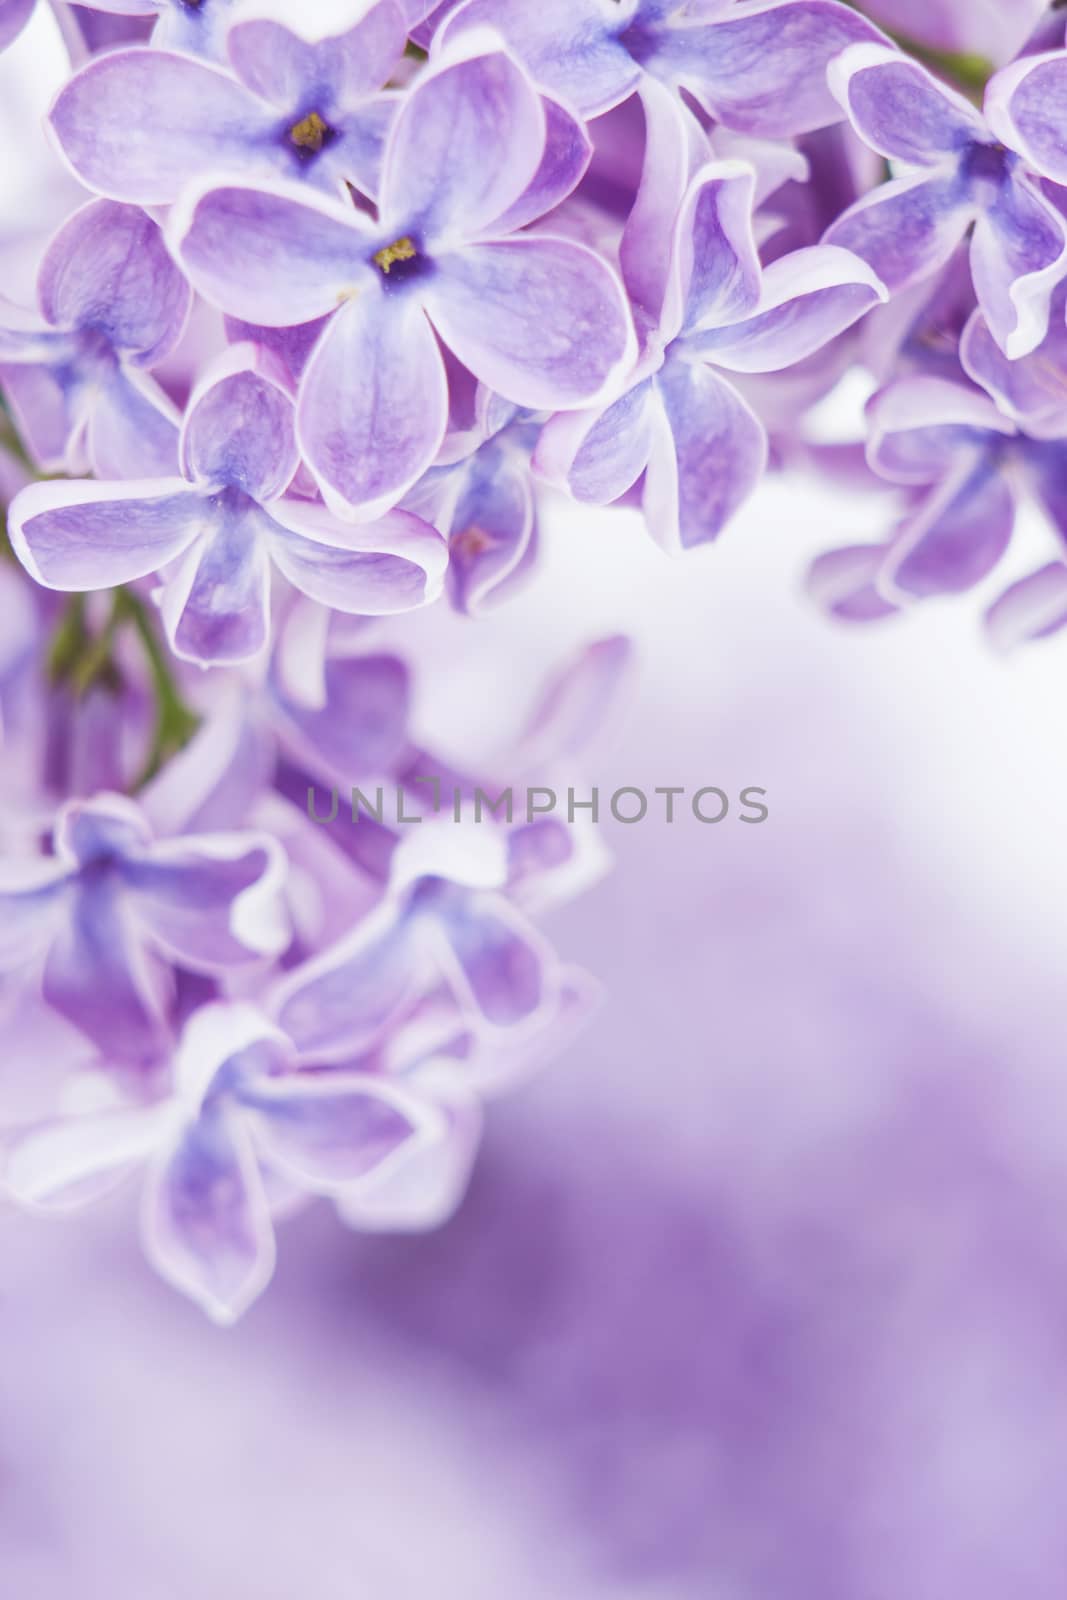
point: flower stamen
(309, 133)
(387, 258)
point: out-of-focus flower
(99, 920)
(219, 530)
(247, 1129)
(14, 15)
(112, 303)
(965, 467)
(962, 176)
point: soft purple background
(761, 1292)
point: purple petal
(569, 46)
(844, 583)
(223, 1045)
(1026, 105)
(808, 298)
(336, 1006)
(1033, 608)
(328, 1130)
(1018, 255)
(96, 535)
(199, 28)
(139, 124)
(423, 1189)
(70, 1160)
(708, 454)
(276, 256)
(125, 8)
(290, 347)
(239, 431)
(371, 569)
(954, 539)
(133, 428)
(368, 442)
(50, 413)
(497, 961)
(216, 608)
(920, 427)
(902, 111)
(761, 70)
(98, 976)
(206, 1224)
(490, 532)
(107, 270)
(210, 901)
(106, 828)
(567, 153)
(359, 152)
(32, 900)
(360, 730)
(675, 147)
(599, 455)
(715, 272)
(279, 65)
(1032, 390)
(14, 15)
(541, 321)
(436, 179)
(907, 229)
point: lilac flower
(682, 425)
(216, 532)
(112, 304)
(247, 1129)
(759, 68)
(963, 176)
(198, 26)
(966, 467)
(102, 917)
(446, 918)
(138, 124)
(541, 321)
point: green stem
(176, 723)
(85, 662)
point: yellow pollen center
(402, 250)
(309, 133)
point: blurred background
(760, 1290)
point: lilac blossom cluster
(354, 285)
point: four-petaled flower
(540, 320)
(216, 533)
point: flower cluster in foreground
(351, 287)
